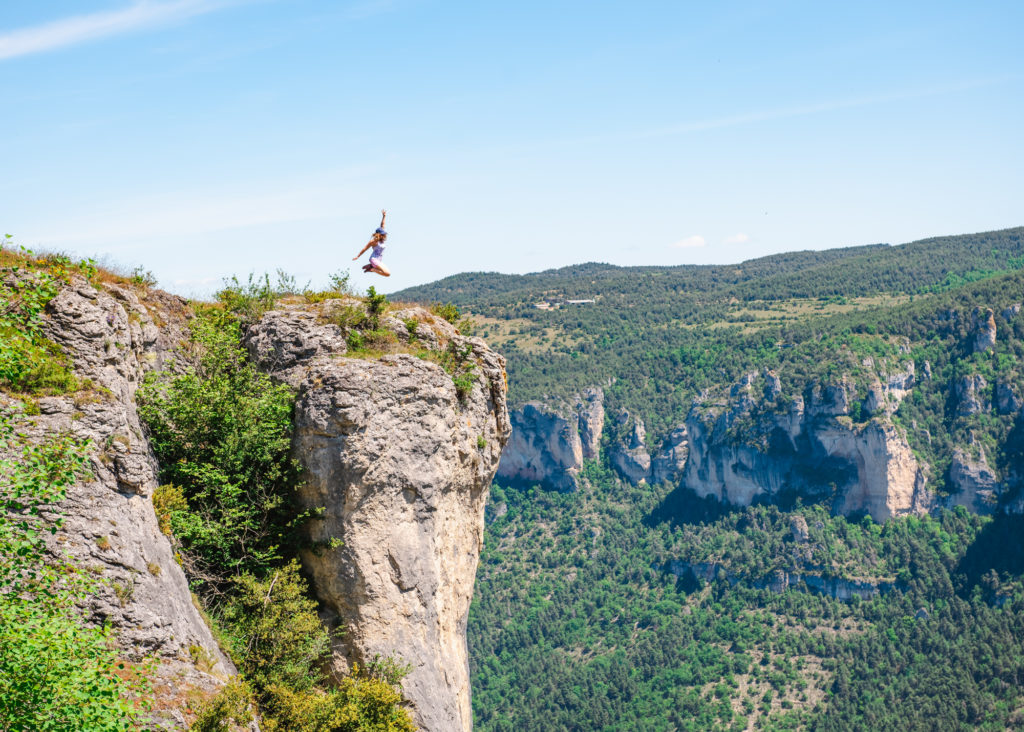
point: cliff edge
(398, 451)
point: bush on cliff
(29, 362)
(222, 431)
(55, 673)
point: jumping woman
(377, 242)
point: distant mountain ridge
(882, 268)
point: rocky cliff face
(114, 334)
(401, 462)
(550, 441)
(742, 450)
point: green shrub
(29, 362)
(276, 634)
(55, 673)
(231, 706)
(222, 432)
(449, 312)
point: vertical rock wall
(401, 463)
(113, 335)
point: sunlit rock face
(808, 446)
(401, 464)
(545, 448)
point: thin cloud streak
(83, 28)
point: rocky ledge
(400, 457)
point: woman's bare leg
(381, 270)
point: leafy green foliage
(29, 362)
(55, 673)
(231, 706)
(579, 624)
(275, 630)
(222, 431)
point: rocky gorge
(838, 441)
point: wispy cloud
(691, 241)
(737, 238)
(82, 28)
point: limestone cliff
(742, 450)
(401, 461)
(398, 450)
(113, 334)
(550, 440)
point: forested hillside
(621, 607)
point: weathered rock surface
(970, 393)
(550, 440)
(630, 458)
(1007, 401)
(402, 466)
(815, 450)
(545, 448)
(781, 580)
(112, 335)
(590, 409)
(983, 330)
(668, 464)
(976, 486)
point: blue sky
(204, 138)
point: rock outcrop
(401, 462)
(550, 441)
(112, 336)
(668, 464)
(839, 588)
(741, 451)
(975, 485)
(970, 394)
(590, 409)
(983, 330)
(545, 448)
(630, 457)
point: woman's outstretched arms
(383, 215)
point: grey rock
(1011, 312)
(970, 396)
(590, 408)
(983, 330)
(975, 484)
(1007, 401)
(631, 460)
(545, 448)
(858, 468)
(402, 468)
(285, 339)
(829, 400)
(875, 402)
(798, 527)
(668, 464)
(772, 386)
